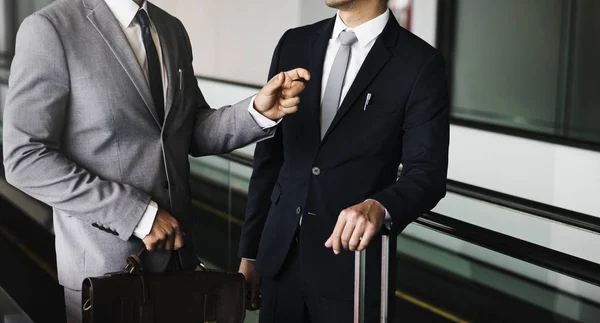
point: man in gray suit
(102, 112)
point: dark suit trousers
(289, 298)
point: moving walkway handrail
(548, 212)
(550, 259)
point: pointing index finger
(298, 73)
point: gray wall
(314, 10)
(234, 39)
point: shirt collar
(125, 10)
(366, 32)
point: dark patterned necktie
(154, 68)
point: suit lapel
(317, 58)
(374, 63)
(110, 29)
(167, 48)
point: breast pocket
(186, 81)
(379, 103)
(382, 112)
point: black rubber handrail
(534, 254)
(550, 259)
(238, 158)
(548, 212)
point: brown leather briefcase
(134, 296)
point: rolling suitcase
(360, 278)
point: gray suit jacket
(81, 133)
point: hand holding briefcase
(135, 296)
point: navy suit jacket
(298, 174)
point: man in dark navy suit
(327, 183)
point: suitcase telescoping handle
(360, 278)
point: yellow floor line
(31, 255)
(217, 212)
(399, 293)
(429, 307)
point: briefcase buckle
(87, 305)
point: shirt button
(298, 210)
(316, 171)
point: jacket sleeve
(33, 123)
(268, 159)
(219, 131)
(422, 183)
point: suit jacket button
(316, 171)
(166, 185)
(298, 210)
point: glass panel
(219, 190)
(433, 269)
(209, 186)
(507, 62)
(486, 289)
(10, 311)
(585, 103)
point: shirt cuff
(388, 218)
(145, 225)
(249, 259)
(262, 121)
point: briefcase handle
(134, 262)
(360, 280)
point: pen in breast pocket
(180, 79)
(367, 101)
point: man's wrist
(262, 121)
(387, 220)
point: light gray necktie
(335, 83)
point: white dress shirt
(366, 34)
(125, 12)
